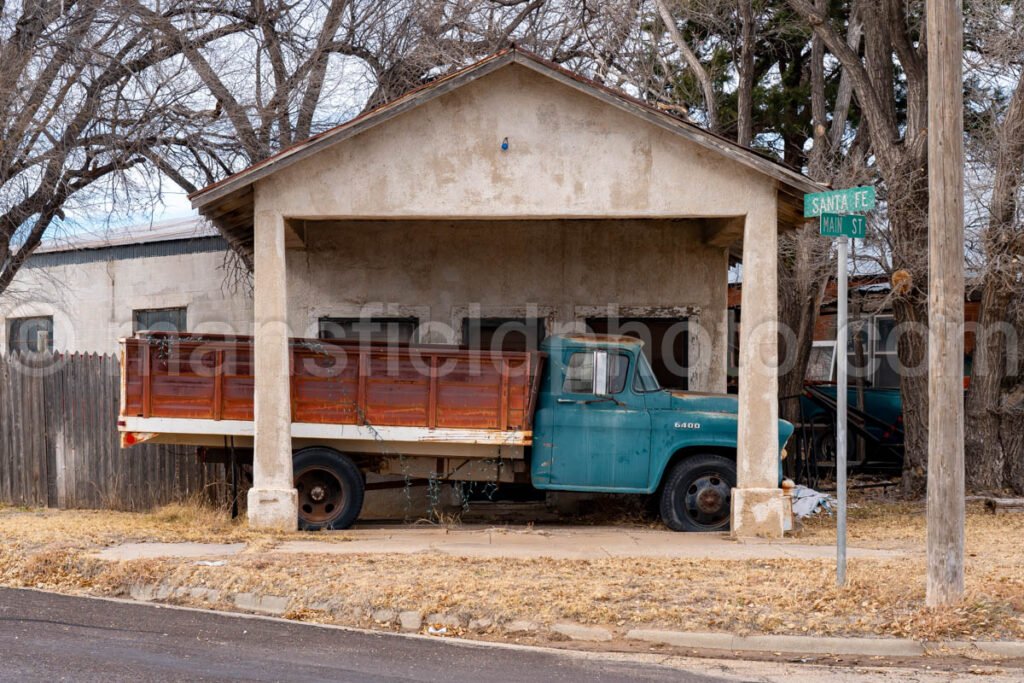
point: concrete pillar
(273, 501)
(757, 503)
(716, 321)
(709, 348)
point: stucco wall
(562, 271)
(569, 154)
(92, 303)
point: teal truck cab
(584, 414)
(604, 424)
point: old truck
(586, 413)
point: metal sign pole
(841, 396)
(837, 211)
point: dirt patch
(53, 550)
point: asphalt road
(53, 637)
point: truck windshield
(645, 379)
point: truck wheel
(825, 451)
(697, 494)
(330, 489)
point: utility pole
(945, 303)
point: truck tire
(825, 453)
(698, 492)
(330, 489)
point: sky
(102, 216)
(107, 210)
(175, 204)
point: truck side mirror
(600, 373)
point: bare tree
(806, 260)
(430, 37)
(894, 114)
(84, 96)
(994, 410)
(745, 74)
(297, 68)
(689, 56)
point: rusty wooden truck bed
(415, 400)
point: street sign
(834, 225)
(833, 208)
(850, 200)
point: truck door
(602, 430)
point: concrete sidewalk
(515, 542)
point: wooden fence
(59, 443)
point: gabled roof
(228, 203)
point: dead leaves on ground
(883, 598)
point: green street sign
(834, 225)
(850, 200)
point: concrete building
(513, 191)
(82, 293)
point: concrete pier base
(273, 509)
(758, 513)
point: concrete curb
(272, 607)
(593, 634)
(874, 647)
(1007, 649)
(863, 647)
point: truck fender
(682, 452)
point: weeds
(884, 597)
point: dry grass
(89, 529)
(884, 598)
(879, 523)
